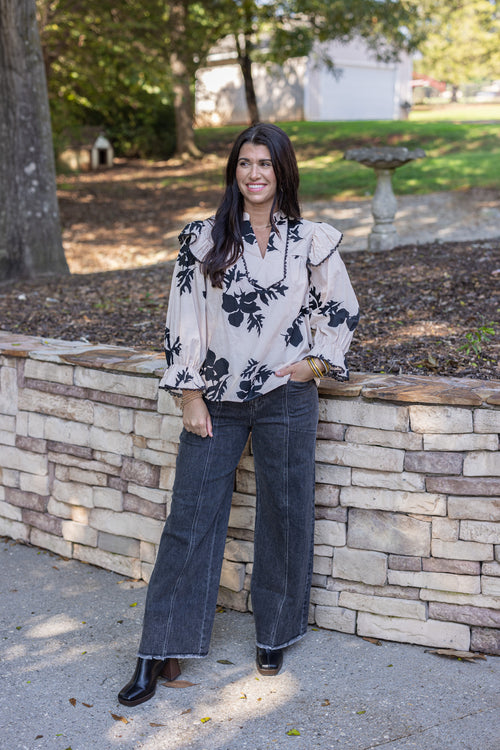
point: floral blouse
(295, 302)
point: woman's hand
(299, 371)
(196, 418)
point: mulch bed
(425, 309)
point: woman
(260, 307)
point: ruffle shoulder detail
(324, 242)
(198, 236)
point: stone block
(331, 533)
(329, 431)
(163, 446)
(323, 550)
(167, 476)
(425, 633)
(21, 421)
(324, 598)
(81, 476)
(79, 532)
(474, 508)
(366, 435)
(404, 481)
(7, 426)
(330, 514)
(114, 418)
(441, 565)
(43, 521)
(8, 390)
(336, 618)
(322, 565)
(445, 529)
(146, 571)
(167, 403)
(144, 507)
(22, 499)
(107, 497)
(9, 477)
(360, 565)
(393, 500)
(10, 511)
(491, 569)
(436, 581)
(126, 566)
(71, 512)
(403, 562)
(490, 585)
(148, 493)
(148, 425)
(36, 445)
(487, 420)
(487, 532)
(62, 431)
(396, 592)
(7, 438)
(484, 486)
(473, 600)
(482, 464)
(360, 456)
(242, 517)
(126, 524)
(55, 373)
(53, 543)
(63, 406)
(238, 551)
(434, 462)
(113, 442)
(241, 499)
(154, 457)
(388, 532)
(120, 384)
(245, 482)
(327, 495)
(140, 472)
(387, 606)
(108, 460)
(440, 419)
(460, 550)
(360, 413)
(120, 545)
(60, 451)
(34, 483)
(237, 600)
(31, 463)
(461, 442)
(485, 640)
(148, 552)
(14, 529)
(333, 475)
(171, 428)
(319, 580)
(481, 616)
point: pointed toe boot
(142, 686)
(269, 661)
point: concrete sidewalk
(70, 633)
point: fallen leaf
(205, 719)
(371, 640)
(179, 684)
(39, 737)
(186, 711)
(451, 653)
(55, 567)
(326, 702)
(154, 724)
(88, 705)
(134, 604)
(293, 733)
(243, 697)
(220, 609)
(116, 717)
(361, 712)
(72, 701)
(224, 661)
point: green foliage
(476, 339)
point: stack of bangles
(190, 396)
(313, 364)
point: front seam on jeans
(191, 541)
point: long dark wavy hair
(227, 229)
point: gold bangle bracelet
(314, 367)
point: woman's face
(255, 176)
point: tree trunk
(245, 63)
(181, 82)
(30, 232)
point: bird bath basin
(384, 160)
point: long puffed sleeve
(333, 304)
(186, 324)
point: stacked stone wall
(407, 538)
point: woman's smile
(255, 176)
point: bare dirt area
(430, 308)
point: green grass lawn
(460, 155)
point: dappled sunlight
(53, 626)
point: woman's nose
(254, 170)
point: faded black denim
(182, 593)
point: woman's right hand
(196, 418)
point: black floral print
(172, 350)
(294, 335)
(253, 378)
(215, 371)
(186, 266)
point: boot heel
(171, 669)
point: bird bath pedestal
(384, 161)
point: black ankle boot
(269, 661)
(142, 686)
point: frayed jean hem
(172, 656)
(282, 645)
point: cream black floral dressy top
(271, 312)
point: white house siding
(361, 89)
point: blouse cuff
(182, 377)
(335, 363)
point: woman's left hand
(299, 371)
